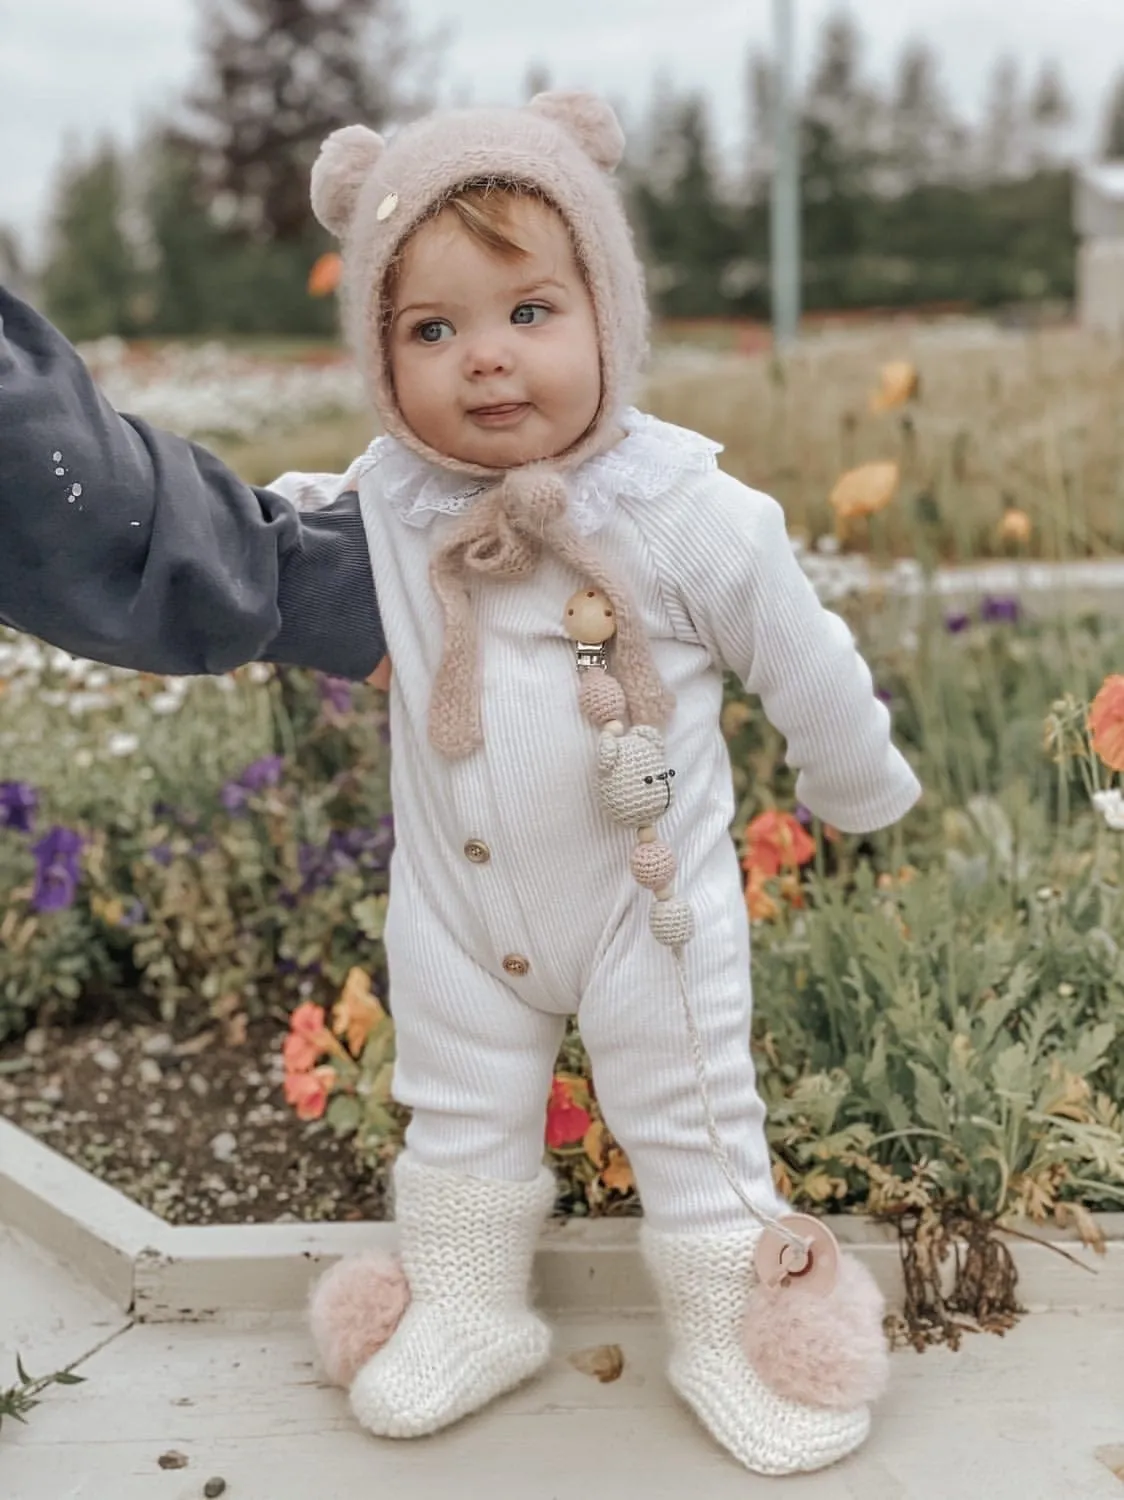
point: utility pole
(786, 180)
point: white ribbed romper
(711, 570)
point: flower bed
(940, 1009)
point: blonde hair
(484, 210)
(483, 206)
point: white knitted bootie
(704, 1282)
(468, 1334)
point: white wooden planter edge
(161, 1272)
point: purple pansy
(1000, 609)
(258, 775)
(57, 872)
(346, 849)
(957, 622)
(18, 801)
(335, 693)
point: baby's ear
(339, 173)
(589, 119)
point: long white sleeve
(725, 551)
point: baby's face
(495, 361)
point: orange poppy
(566, 1122)
(1016, 526)
(900, 382)
(866, 490)
(308, 1092)
(324, 277)
(1106, 722)
(774, 840)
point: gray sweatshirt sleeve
(128, 545)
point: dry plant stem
(982, 1297)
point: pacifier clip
(797, 1252)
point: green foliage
(48, 960)
(21, 1398)
(233, 847)
(91, 283)
(923, 1030)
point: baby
(560, 583)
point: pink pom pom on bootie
(824, 1351)
(354, 1309)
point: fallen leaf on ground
(604, 1363)
(1112, 1456)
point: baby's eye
(433, 330)
(530, 313)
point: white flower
(259, 671)
(85, 703)
(1111, 807)
(83, 758)
(122, 744)
(166, 703)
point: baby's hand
(380, 677)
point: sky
(73, 70)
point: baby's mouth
(501, 415)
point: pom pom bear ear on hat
(339, 172)
(589, 119)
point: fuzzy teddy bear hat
(373, 194)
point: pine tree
(1003, 143)
(91, 280)
(684, 224)
(761, 82)
(279, 76)
(13, 267)
(1051, 110)
(1112, 147)
(921, 141)
(536, 80)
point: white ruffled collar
(651, 455)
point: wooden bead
(590, 617)
(653, 865)
(647, 834)
(665, 893)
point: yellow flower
(899, 383)
(761, 906)
(617, 1176)
(357, 1011)
(1015, 526)
(593, 1142)
(865, 490)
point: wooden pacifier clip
(634, 781)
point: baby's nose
(487, 356)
